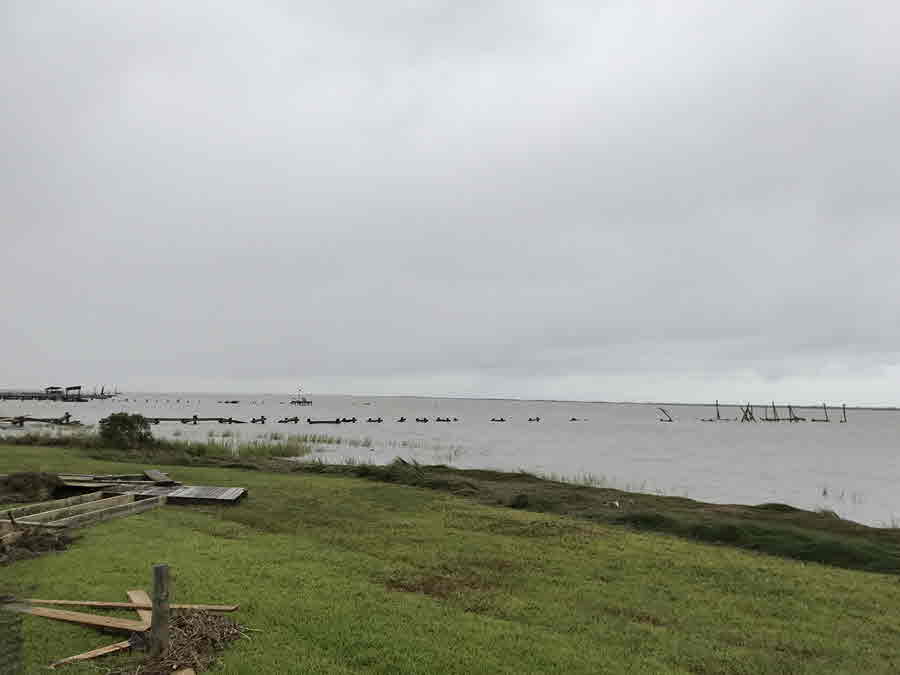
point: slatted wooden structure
(73, 512)
(184, 494)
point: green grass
(776, 529)
(344, 575)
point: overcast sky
(582, 200)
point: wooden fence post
(159, 623)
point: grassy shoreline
(775, 529)
(343, 572)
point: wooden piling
(844, 410)
(159, 626)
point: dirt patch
(28, 486)
(637, 615)
(438, 585)
(32, 543)
(195, 638)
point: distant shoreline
(738, 404)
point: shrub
(121, 430)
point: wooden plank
(112, 512)
(113, 623)
(94, 653)
(11, 537)
(27, 509)
(159, 477)
(200, 492)
(189, 493)
(66, 511)
(141, 597)
(129, 605)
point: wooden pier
(155, 484)
(65, 421)
(73, 394)
(194, 420)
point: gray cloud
(632, 200)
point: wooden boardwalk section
(186, 494)
(154, 483)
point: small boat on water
(334, 421)
(300, 399)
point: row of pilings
(748, 413)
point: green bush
(121, 430)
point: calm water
(851, 468)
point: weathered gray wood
(159, 628)
(11, 537)
(158, 477)
(27, 509)
(112, 512)
(183, 493)
(66, 511)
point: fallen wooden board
(73, 510)
(197, 494)
(94, 653)
(128, 605)
(111, 512)
(28, 509)
(11, 537)
(141, 598)
(110, 622)
(159, 477)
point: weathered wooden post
(159, 623)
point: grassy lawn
(346, 575)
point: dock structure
(73, 512)
(108, 497)
(194, 419)
(20, 420)
(749, 415)
(155, 484)
(73, 394)
(300, 399)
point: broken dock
(109, 496)
(155, 484)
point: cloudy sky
(582, 200)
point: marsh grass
(595, 480)
(178, 451)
